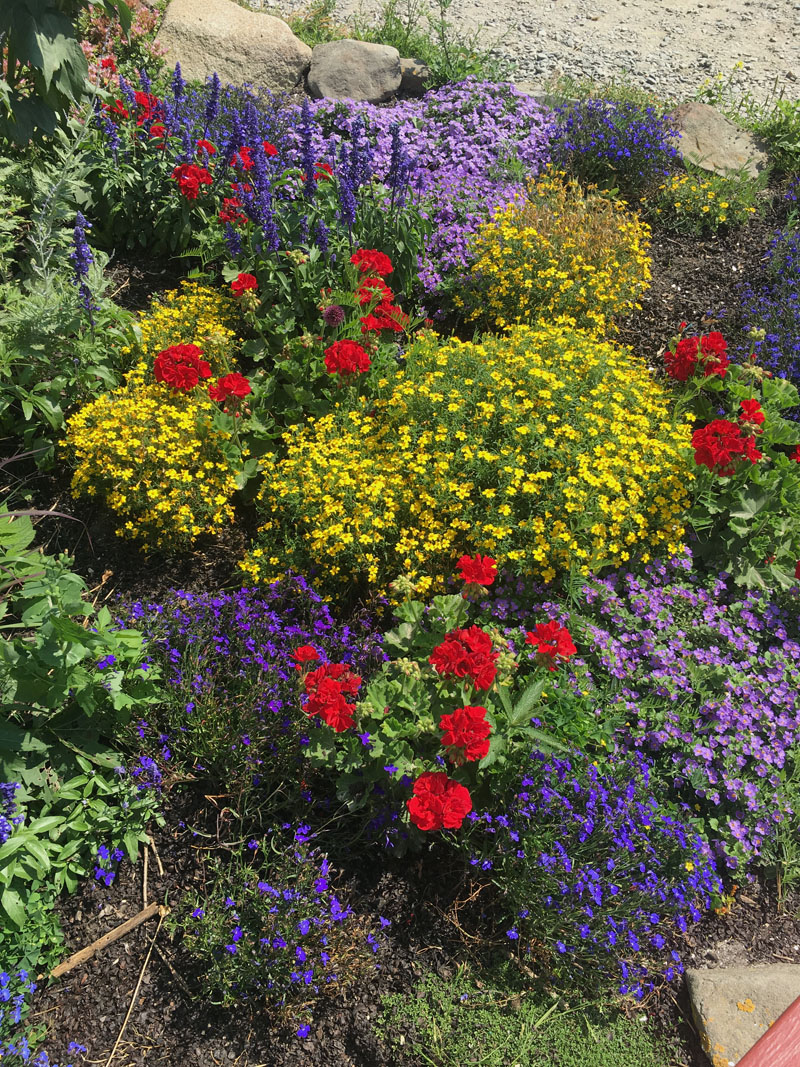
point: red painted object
(780, 1045)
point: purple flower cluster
(615, 143)
(275, 929)
(466, 149)
(9, 816)
(230, 689)
(593, 864)
(705, 679)
(82, 258)
(14, 991)
(772, 303)
(106, 865)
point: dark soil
(693, 280)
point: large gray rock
(205, 36)
(414, 76)
(734, 1006)
(354, 70)
(714, 142)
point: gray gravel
(668, 46)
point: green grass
(499, 1022)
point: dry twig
(84, 954)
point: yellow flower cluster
(154, 458)
(544, 447)
(191, 315)
(560, 252)
(693, 204)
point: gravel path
(667, 46)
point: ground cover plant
(432, 637)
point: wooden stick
(155, 853)
(144, 877)
(77, 958)
(163, 912)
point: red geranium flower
(324, 172)
(189, 178)
(797, 570)
(157, 130)
(796, 454)
(372, 287)
(206, 146)
(180, 367)
(752, 414)
(108, 64)
(305, 654)
(326, 688)
(270, 149)
(384, 317)
(713, 353)
(242, 282)
(466, 654)
(438, 802)
(242, 158)
(552, 642)
(232, 385)
(478, 570)
(370, 261)
(230, 211)
(117, 108)
(345, 358)
(467, 731)
(720, 445)
(150, 107)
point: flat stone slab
(714, 143)
(734, 1006)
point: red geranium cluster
(116, 110)
(150, 107)
(751, 416)
(346, 358)
(438, 802)
(242, 282)
(552, 642)
(466, 654)
(180, 367)
(206, 146)
(231, 385)
(709, 349)
(478, 570)
(242, 158)
(189, 178)
(370, 261)
(720, 445)
(230, 211)
(466, 734)
(326, 688)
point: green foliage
(497, 1019)
(415, 30)
(59, 706)
(402, 708)
(747, 523)
(43, 71)
(426, 33)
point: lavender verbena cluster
(708, 679)
(234, 651)
(772, 303)
(597, 868)
(9, 816)
(82, 259)
(15, 989)
(464, 150)
(272, 926)
(621, 143)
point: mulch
(693, 279)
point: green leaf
(131, 841)
(527, 702)
(749, 502)
(12, 905)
